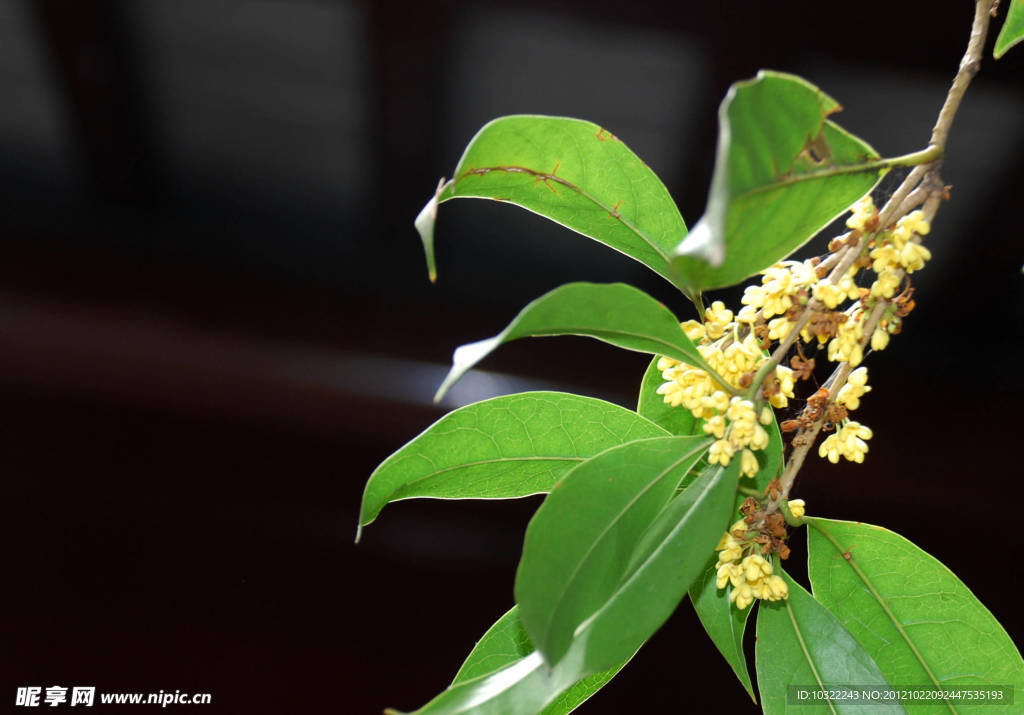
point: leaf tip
(702, 243)
(449, 380)
(424, 224)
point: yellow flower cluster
(733, 421)
(845, 346)
(750, 576)
(776, 294)
(832, 294)
(899, 250)
(737, 430)
(768, 312)
(847, 442)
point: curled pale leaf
(783, 171)
(425, 227)
(615, 313)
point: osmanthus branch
(922, 186)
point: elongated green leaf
(688, 525)
(1012, 31)
(677, 420)
(572, 172)
(725, 624)
(613, 312)
(668, 560)
(606, 550)
(803, 647)
(525, 686)
(580, 544)
(502, 448)
(923, 626)
(782, 173)
(505, 644)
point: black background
(215, 322)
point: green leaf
(800, 644)
(676, 420)
(572, 172)
(613, 312)
(1013, 29)
(725, 624)
(524, 686)
(611, 548)
(506, 447)
(782, 173)
(923, 626)
(505, 644)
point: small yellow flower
(829, 448)
(779, 284)
(748, 464)
(856, 387)
(755, 566)
(742, 596)
(694, 330)
(879, 339)
(862, 211)
(914, 222)
(787, 382)
(715, 426)
(753, 297)
(721, 453)
(777, 588)
(884, 257)
(849, 286)
(852, 436)
(797, 507)
(848, 442)
(729, 573)
(778, 328)
(667, 363)
(747, 315)
(741, 410)
(887, 284)
(760, 439)
(846, 345)
(829, 294)
(913, 256)
(717, 319)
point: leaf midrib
(699, 361)
(807, 654)
(712, 482)
(484, 462)
(612, 211)
(820, 528)
(618, 517)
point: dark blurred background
(215, 321)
